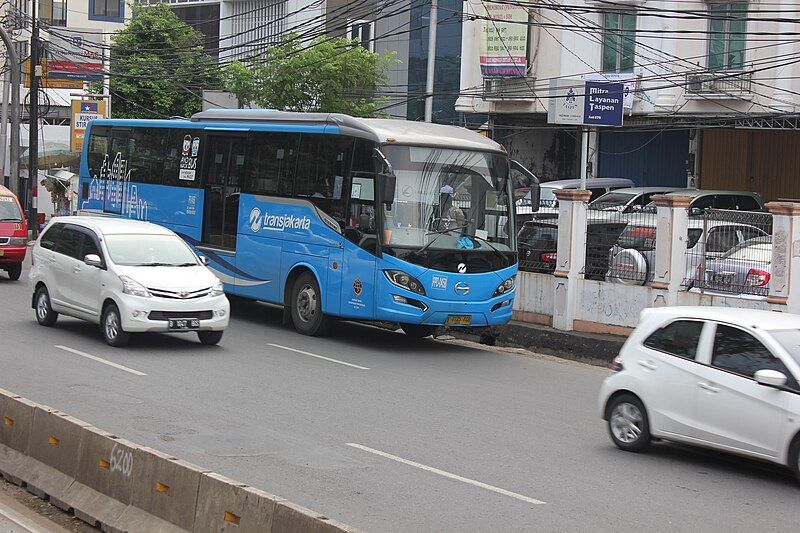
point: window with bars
(726, 35)
(619, 41)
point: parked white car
(126, 275)
(720, 378)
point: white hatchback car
(126, 275)
(716, 377)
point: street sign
(82, 112)
(566, 102)
(603, 103)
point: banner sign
(82, 112)
(603, 103)
(565, 105)
(75, 54)
(504, 40)
(628, 79)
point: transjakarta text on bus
(325, 214)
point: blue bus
(324, 214)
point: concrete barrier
(122, 487)
(104, 478)
(165, 487)
(225, 505)
(54, 444)
(16, 417)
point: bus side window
(182, 156)
(98, 149)
(273, 157)
(147, 158)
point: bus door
(360, 249)
(224, 170)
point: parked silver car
(549, 204)
(632, 259)
(628, 200)
(728, 200)
(745, 269)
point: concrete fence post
(672, 230)
(783, 289)
(571, 256)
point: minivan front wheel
(628, 424)
(14, 271)
(44, 312)
(111, 326)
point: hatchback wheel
(628, 424)
(44, 312)
(111, 326)
(14, 271)
(794, 457)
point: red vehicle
(13, 234)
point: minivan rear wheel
(111, 326)
(628, 425)
(44, 312)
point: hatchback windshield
(790, 340)
(611, 201)
(9, 212)
(149, 250)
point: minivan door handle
(708, 387)
(647, 364)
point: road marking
(486, 486)
(99, 360)
(319, 356)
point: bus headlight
(404, 281)
(504, 287)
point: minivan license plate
(458, 320)
(178, 324)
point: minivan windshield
(9, 212)
(149, 250)
(790, 340)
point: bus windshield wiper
(487, 241)
(438, 234)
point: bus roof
(380, 130)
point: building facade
(715, 90)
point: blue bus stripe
(219, 259)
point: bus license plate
(181, 324)
(458, 320)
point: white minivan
(127, 276)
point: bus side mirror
(389, 184)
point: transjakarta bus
(325, 214)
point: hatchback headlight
(504, 287)
(134, 288)
(404, 281)
(217, 289)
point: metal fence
(620, 245)
(730, 252)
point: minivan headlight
(134, 288)
(504, 287)
(18, 241)
(217, 289)
(404, 281)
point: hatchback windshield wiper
(185, 264)
(155, 264)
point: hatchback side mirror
(93, 260)
(770, 378)
(203, 260)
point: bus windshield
(449, 199)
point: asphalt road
(406, 436)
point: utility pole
(431, 61)
(13, 66)
(33, 143)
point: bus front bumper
(417, 309)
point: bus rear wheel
(418, 331)
(306, 306)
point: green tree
(325, 75)
(158, 66)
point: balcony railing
(719, 84)
(520, 88)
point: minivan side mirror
(93, 260)
(203, 260)
(770, 378)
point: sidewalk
(586, 347)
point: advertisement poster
(504, 40)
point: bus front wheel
(306, 306)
